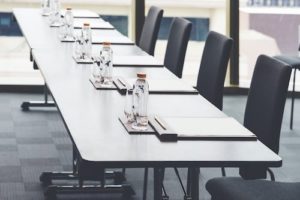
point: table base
(48, 177)
(53, 190)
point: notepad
(158, 86)
(134, 61)
(188, 128)
(94, 23)
(117, 40)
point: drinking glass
(78, 46)
(45, 7)
(96, 71)
(128, 106)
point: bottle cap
(141, 75)
(69, 9)
(106, 43)
(86, 24)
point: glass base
(139, 127)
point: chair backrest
(177, 44)
(150, 30)
(213, 67)
(266, 100)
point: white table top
(91, 116)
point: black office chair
(265, 105)
(263, 116)
(239, 189)
(294, 62)
(150, 30)
(213, 67)
(174, 59)
(177, 44)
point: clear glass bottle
(106, 62)
(55, 16)
(140, 102)
(68, 23)
(86, 35)
(45, 7)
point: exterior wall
(215, 10)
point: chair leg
(272, 176)
(293, 100)
(188, 182)
(181, 184)
(223, 171)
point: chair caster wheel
(119, 178)
(50, 193)
(25, 106)
(165, 198)
(45, 178)
(187, 198)
(128, 191)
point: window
(8, 27)
(267, 27)
(15, 67)
(199, 31)
(205, 15)
(119, 22)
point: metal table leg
(145, 186)
(46, 103)
(194, 177)
(53, 190)
(47, 177)
(158, 177)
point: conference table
(92, 116)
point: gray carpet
(36, 141)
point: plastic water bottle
(106, 62)
(68, 23)
(45, 7)
(140, 102)
(86, 35)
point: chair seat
(237, 189)
(293, 61)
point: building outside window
(205, 15)
(268, 27)
(15, 67)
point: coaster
(130, 130)
(100, 86)
(56, 24)
(45, 14)
(83, 61)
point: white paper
(207, 127)
(94, 23)
(136, 60)
(161, 85)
